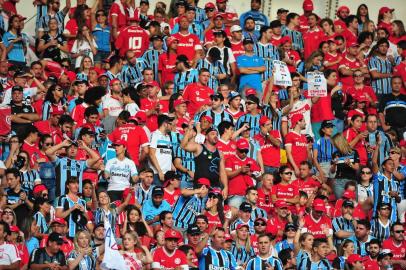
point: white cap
(235, 28)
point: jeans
(157, 182)
(48, 178)
(339, 126)
(235, 201)
(339, 187)
(271, 170)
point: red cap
(343, 8)
(14, 228)
(243, 144)
(39, 188)
(204, 181)
(21, 17)
(114, 81)
(207, 118)
(354, 258)
(140, 117)
(218, 14)
(308, 5)
(319, 205)
(402, 143)
(221, 1)
(228, 237)
(285, 39)
(59, 221)
(250, 91)
(263, 120)
(295, 119)
(209, 5)
(182, 17)
(281, 204)
(120, 142)
(352, 44)
(57, 110)
(172, 234)
(239, 226)
(349, 194)
(383, 10)
(216, 191)
(171, 40)
(180, 101)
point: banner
(112, 258)
(316, 84)
(281, 74)
(5, 121)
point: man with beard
(371, 260)
(263, 259)
(397, 245)
(362, 237)
(381, 69)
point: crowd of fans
(165, 124)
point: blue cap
(232, 95)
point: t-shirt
(350, 134)
(270, 154)
(120, 172)
(288, 191)
(163, 260)
(40, 256)
(82, 46)
(166, 65)
(299, 146)
(132, 38)
(112, 105)
(398, 251)
(309, 186)
(302, 107)
(8, 254)
(316, 227)
(239, 184)
(311, 40)
(347, 63)
(188, 44)
(226, 148)
(197, 95)
(250, 80)
(163, 146)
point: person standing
(49, 257)
(263, 260)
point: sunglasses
(365, 172)
(7, 213)
(259, 224)
(250, 103)
(245, 151)
(400, 231)
(58, 89)
(212, 196)
(48, 144)
(291, 230)
(209, 9)
(394, 152)
(288, 173)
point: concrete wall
(26, 8)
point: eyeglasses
(259, 224)
(7, 213)
(366, 172)
(49, 144)
(288, 173)
(100, 14)
(250, 103)
(209, 9)
(394, 152)
(400, 231)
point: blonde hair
(342, 144)
(135, 237)
(75, 240)
(247, 244)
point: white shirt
(163, 146)
(28, 92)
(120, 173)
(301, 107)
(132, 108)
(82, 46)
(113, 105)
(8, 254)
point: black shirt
(53, 52)
(16, 109)
(40, 256)
(207, 165)
(344, 171)
(394, 108)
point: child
(332, 58)
(301, 207)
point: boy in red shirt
(296, 143)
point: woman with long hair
(42, 210)
(241, 247)
(134, 222)
(327, 25)
(344, 251)
(369, 26)
(355, 135)
(280, 190)
(82, 257)
(53, 43)
(303, 243)
(385, 19)
(167, 61)
(101, 31)
(14, 42)
(323, 150)
(84, 45)
(215, 211)
(54, 101)
(365, 187)
(85, 65)
(314, 62)
(9, 216)
(28, 175)
(30, 230)
(344, 165)
(362, 16)
(80, 17)
(135, 255)
(399, 32)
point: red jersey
(316, 227)
(239, 184)
(303, 24)
(339, 25)
(254, 243)
(45, 127)
(32, 150)
(66, 247)
(293, 55)
(132, 38)
(171, 197)
(312, 40)
(214, 219)
(166, 65)
(330, 58)
(235, 115)
(299, 146)
(350, 135)
(349, 36)
(398, 251)
(310, 186)
(276, 41)
(118, 10)
(288, 191)
(366, 90)
(347, 63)
(163, 260)
(198, 95)
(400, 70)
(371, 264)
(237, 48)
(148, 104)
(387, 26)
(277, 223)
(188, 44)
(227, 148)
(78, 114)
(271, 155)
(322, 109)
(265, 201)
(23, 253)
(135, 137)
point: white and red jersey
(303, 24)
(163, 260)
(276, 40)
(347, 63)
(132, 38)
(214, 219)
(239, 184)
(112, 105)
(32, 150)
(293, 55)
(312, 39)
(317, 227)
(227, 148)
(171, 196)
(198, 95)
(302, 107)
(339, 25)
(131, 261)
(78, 114)
(298, 143)
(265, 201)
(118, 10)
(310, 186)
(277, 223)
(398, 251)
(270, 154)
(9, 254)
(188, 44)
(237, 48)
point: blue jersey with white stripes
(275, 116)
(41, 222)
(151, 58)
(100, 215)
(211, 259)
(252, 120)
(341, 224)
(284, 244)
(142, 194)
(66, 168)
(86, 263)
(241, 254)
(379, 230)
(295, 36)
(102, 36)
(325, 149)
(259, 18)
(64, 202)
(237, 222)
(382, 85)
(215, 69)
(382, 187)
(27, 179)
(217, 117)
(258, 213)
(44, 21)
(182, 79)
(268, 52)
(188, 161)
(132, 74)
(186, 209)
(17, 52)
(361, 248)
(307, 264)
(259, 263)
(42, 10)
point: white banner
(112, 258)
(281, 74)
(316, 84)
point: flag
(5, 121)
(112, 257)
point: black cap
(327, 123)
(220, 33)
(156, 37)
(210, 129)
(193, 230)
(384, 253)
(100, 224)
(253, 98)
(56, 237)
(348, 203)
(17, 88)
(181, 3)
(381, 205)
(290, 226)
(172, 175)
(275, 24)
(86, 131)
(77, 82)
(246, 207)
(217, 96)
(20, 73)
(214, 53)
(165, 118)
(144, 2)
(247, 40)
(281, 10)
(157, 191)
(190, 8)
